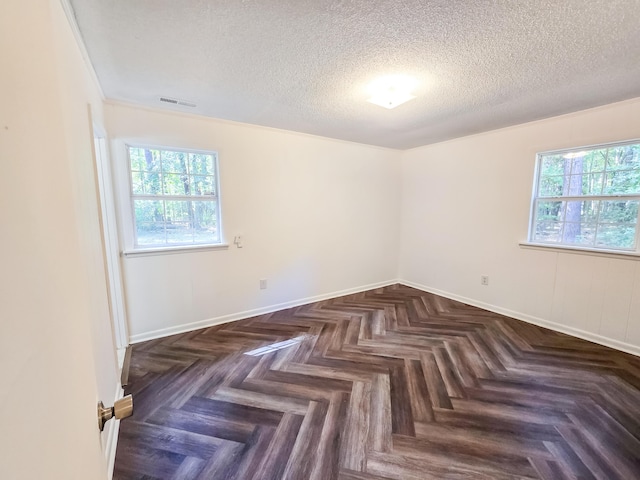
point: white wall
(53, 309)
(318, 216)
(465, 207)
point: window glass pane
(584, 211)
(174, 162)
(592, 184)
(149, 222)
(625, 211)
(146, 177)
(616, 236)
(149, 234)
(550, 211)
(200, 164)
(578, 163)
(171, 176)
(136, 157)
(572, 186)
(179, 233)
(202, 185)
(151, 183)
(595, 160)
(179, 221)
(622, 182)
(206, 222)
(547, 231)
(580, 218)
(137, 182)
(176, 184)
(590, 210)
(551, 165)
(149, 211)
(147, 160)
(612, 172)
(623, 157)
(147, 183)
(632, 159)
(579, 233)
(551, 186)
(178, 211)
(573, 211)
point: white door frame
(111, 244)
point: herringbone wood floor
(392, 383)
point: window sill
(144, 252)
(582, 250)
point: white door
(110, 242)
(109, 322)
(56, 346)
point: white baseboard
(188, 327)
(575, 332)
(112, 427)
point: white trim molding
(574, 332)
(111, 443)
(143, 252)
(210, 322)
(73, 24)
(598, 252)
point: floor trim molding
(575, 332)
(188, 327)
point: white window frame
(532, 242)
(128, 208)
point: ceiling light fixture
(392, 90)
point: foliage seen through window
(588, 197)
(174, 197)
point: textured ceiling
(304, 65)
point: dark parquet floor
(392, 383)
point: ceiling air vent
(175, 101)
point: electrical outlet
(484, 280)
(263, 284)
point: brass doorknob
(122, 408)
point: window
(588, 197)
(174, 197)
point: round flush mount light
(392, 90)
